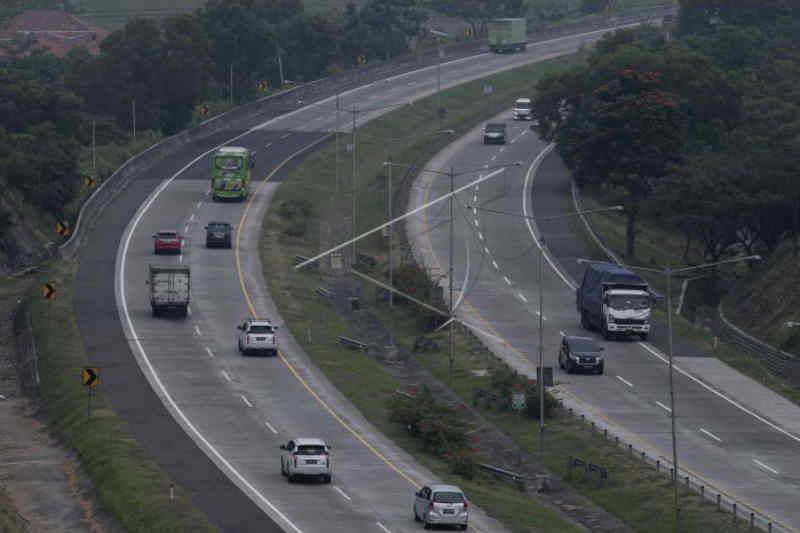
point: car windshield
(495, 128)
(627, 301)
(229, 163)
(583, 346)
(307, 449)
(260, 329)
(215, 226)
(167, 235)
(523, 105)
(448, 497)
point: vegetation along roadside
(303, 218)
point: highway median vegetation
(635, 492)
(129, 484)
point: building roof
(58, 32)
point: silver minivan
(257, 336)
(306, 458)
(441, 505)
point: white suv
(441, 505)
(306, 457)
(257, 336)
(522, 109)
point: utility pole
(94, 145)
(133, 116)
(336, 135)
(280, 67)
(672, 400)
(355, 186)
(391, 249)
(450, 274)
(541, 356)
(439, 83)
(230, 86)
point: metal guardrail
(707, 491)
(325, 293)
(783, 364)
(505, 475)
(353, 343)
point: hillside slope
(769, 298)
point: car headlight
(573, 357)
(610, 319)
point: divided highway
(719, 441)
(236, 410)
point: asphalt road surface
(496, 256)
(210, 417)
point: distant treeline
(698, 129)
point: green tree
(478, 12)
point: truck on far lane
(507, 35)
(169, 289)
(614, 300)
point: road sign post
(90, 378)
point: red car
(167, 242)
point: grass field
(636, 493)
(10, 521)
(129, 485)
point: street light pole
(450, 275)
(541, 356)
(336, 135)
(668, 272)
(355, 185)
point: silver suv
(257, 336)
(307, 458)
(441, 505)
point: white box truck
(169, 289)
(614, 300)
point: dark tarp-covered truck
(614, 300)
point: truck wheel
(570, 368)
(184, 311)
(155, 312)
(601, 369)
(644, 337)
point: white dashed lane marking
(197, 331)
(708, 433)
(766, 467)
(269, 426)
(625, 381)
(226, 376)
(664, 407)
(340, 491)
(245, 400)
(209, 352)
(494, 264)
(508, 281)
(522, 297)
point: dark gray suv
(219, 234)
(494, 133)
(581, 353)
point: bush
(295, 209)
(532, 402)
(441, 429)
(295, 228)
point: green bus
(230, 174)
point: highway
(722, 443)
(210, 417)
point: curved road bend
(240, 415)
(739, 451)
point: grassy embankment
(10, 521)
(635, 493)
(654, 246)
(129, 485)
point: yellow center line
(283, 358)
(584, 405)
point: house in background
(57, 32)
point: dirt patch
(43, 479)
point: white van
(522, 109)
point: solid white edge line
(384, 528)
(245, 400)
(269, 426)
(664, 407)
(340, 491)
(625, 381)
(766, 467)
(531, 171)
(708, 433)
(209, 352)
(154, 377)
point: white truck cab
(627, 311)
(522, 109)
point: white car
(441, 505)
(257, 336)
(522, 109)
(306, 458)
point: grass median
(129, 484)
(636, 492)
